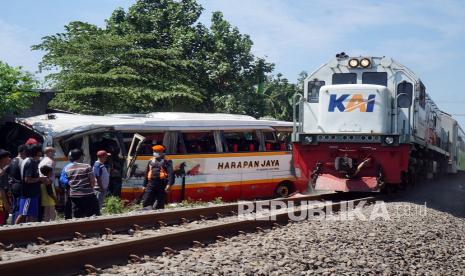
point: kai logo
(347, 103)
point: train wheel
(283, 190)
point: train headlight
(365, 63)
(389, 140)
(353, 63)
(308, 139)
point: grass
(114, 205)
(189, 203)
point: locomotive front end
(346, 136)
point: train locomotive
(367, 124)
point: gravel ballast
(416, 240)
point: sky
(296, 35)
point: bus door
(130, 186)
(131, 157)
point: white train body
(371, 109)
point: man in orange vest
(158, 179)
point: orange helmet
(158, 148)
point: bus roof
(61, 124)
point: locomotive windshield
(344, 78)
(379, 78)
(313, 88)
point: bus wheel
(283, 190)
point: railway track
(120, 251)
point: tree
(15, 89)
(133, 65)
(154, 57)
(300, 81)
(233, 71)
(278, 93)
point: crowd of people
(28, 184)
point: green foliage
(190, 203)
(218, 200)
(278, 93)
(155, 56)
(15, 89)
(113, 205)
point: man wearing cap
(100, 170)
(5, 207)
(158, 179)
(31, 141)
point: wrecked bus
(214, 155)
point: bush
(113, 205)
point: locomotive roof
(61, 124)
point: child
(48, 195)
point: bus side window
(284, 140)
(67, 146)
(151, 139)
(238, 141)
(199, 142)
(271, 142)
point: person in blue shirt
(64, 184)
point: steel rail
(67, 230)
(74, 261)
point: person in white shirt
(48, 193)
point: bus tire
(284, 189)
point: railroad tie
(91, 270)
(259, 229)
(277, 225)
(108, 231)
(220, 238)
(79, 236)
(198, 244)
(169, 251)
(137, 227)
(134, 259)
(4, 247)
(42, 241)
